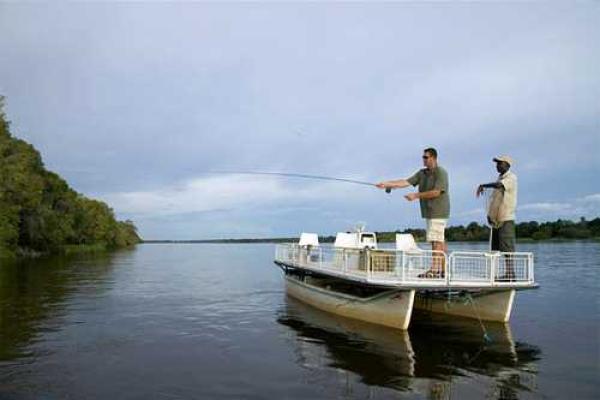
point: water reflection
(35, 295)
(435, 357)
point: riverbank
(65, 250)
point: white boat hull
(489, 306)
(391, 308)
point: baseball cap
(506, 159)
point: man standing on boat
(434, 200)
(501, 211)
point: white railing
(472, 267)
(413, 268)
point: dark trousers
(504, 237)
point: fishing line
(293, 175)
(297, 175)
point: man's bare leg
(438, 266)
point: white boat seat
(406, 242)
(309, 239)
(345, 240)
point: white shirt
(504, 201)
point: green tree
(38, 209)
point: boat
(357, 279)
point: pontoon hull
(391, 308)
(488, 306)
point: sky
(137, 103)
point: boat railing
(413, 268)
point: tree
(38, 209)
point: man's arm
(394, 184)
(491, 185)
(399, 183)
(432, 194)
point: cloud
(473, 213)
(230, 192)
(585, 206)
(590, 199)
(546, 207)
(144, 98)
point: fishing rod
(294, 175)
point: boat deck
(470, 270)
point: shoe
(506, 278)
(431, 274)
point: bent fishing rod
(295, 175)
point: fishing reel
(388, 190)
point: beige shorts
(435, 229)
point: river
(181, 321)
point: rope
(486, 337)
(468, 299)
(366, 300)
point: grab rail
(413, 268)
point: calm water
(213, 321)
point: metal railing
(413, 268)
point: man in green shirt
(435, 203)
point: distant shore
(532, 231)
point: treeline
(559, 229)
(473, 232)
(39, 212)
(225, 241)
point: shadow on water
(428, 358)
(35, 295)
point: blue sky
(133, 104)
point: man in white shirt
(501, 211)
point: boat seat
(406, 242)
(309, 239)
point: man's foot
(506, 278)
(431, 274)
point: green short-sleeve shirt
(435, 179)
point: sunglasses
(426, 157)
